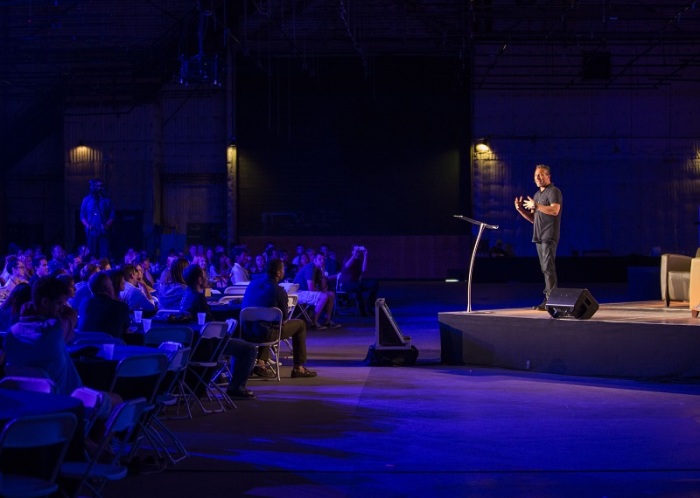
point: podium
(481, 226)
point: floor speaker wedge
(576, 303)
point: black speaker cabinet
(577, 303)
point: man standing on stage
(543, 210)
(97, 215)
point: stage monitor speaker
(391, 347)
(577, 303)
(388, 335)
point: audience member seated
(145, 261)
(165, 274)
(242, 354)
(37, 340)
(351, 280)
(10, 309)
(297, 256)
(141, 280)
(135, 294)
(314, 292)
(41, 269)
(220, 272)
(266, 292)
(170, 293)
(82, 289)
(17, 275)
(58, 259)
(102, 311)
(258, 265)
(239, 274)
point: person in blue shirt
(37, 340)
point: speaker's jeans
(547, 252)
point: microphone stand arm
(482, 226)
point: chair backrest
(212, 341)
(36, 431)
(236, 290)
(90, 335)
(178, 364)
(292, 301)
(98, 341)
(25, 371)
(266, 315)
(214, 330)
(36, 384)
(163, 333)
(94, 402)
(126, 415)
(253, 313)
(289, 287)
(139, 376)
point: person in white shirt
(239, 273)
(17, 274)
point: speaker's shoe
(541, 307)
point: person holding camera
(350, 280)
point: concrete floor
(434, 430)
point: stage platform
(634, 340)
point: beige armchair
(676, 278)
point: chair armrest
(694, 290)
(672, 262)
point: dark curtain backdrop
(335, 147)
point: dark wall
(337, 149)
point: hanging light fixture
(481, 145)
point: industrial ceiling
(95, 50)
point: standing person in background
(543, 210)
(97, 216)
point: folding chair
(303, 311)
(93, 404)
(249, 317)
(223, 372)
(139, 376)
(93, 475)
(36, 384)
(204, 363)
(164, 333)
(36, 431)
(161, 437)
